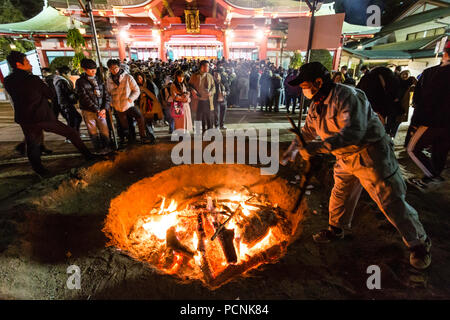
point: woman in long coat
(148, 104)
(180, 99)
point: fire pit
(205, 222)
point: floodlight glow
(123, 34)
(260, 34)
(229, 33)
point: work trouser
(220, 109)
(375, 169)
(34, 136)
(98, 130)
(134, 113)
(204, 114)
(439, 141)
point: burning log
(202, 248)
(269, 255)
(226, 236)
(226, 240)
(173, 243)
(256, 227)
(223, 225)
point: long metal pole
(94, 33)
(312, 8)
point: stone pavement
(236, 118)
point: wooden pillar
(162, 44)
(263, 48)
(43, 60)
(121, 45)
(214, 9)
(226, 51)
(129, 52)
(337, 57)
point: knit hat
(88, 64)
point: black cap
(310, 72)
(88, 64)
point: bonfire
(213, 235)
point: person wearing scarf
(67, 98)
(220, 101)
(181, 96)
(148, 104)
(124, 91)
(93, 101)
(347, 127)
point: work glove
(290, 153)
(311, 149)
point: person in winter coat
(293, 94)
(432, 119)
(165, 96)
(203, 94)
(265, 84)
(407, 85)
(235, 91)
(349, 129)
(243, 78)
(67, 98)
(382, 88)
(148, 104)
(220, 101)
(124, 91)
(180, 103)
(254, 88)
(32, 112)
(49, 76)
(276, 90)
(94, 100)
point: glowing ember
(211, 223)
(231, 236)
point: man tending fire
(349, 129)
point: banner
(327, 32)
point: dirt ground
(48, 225)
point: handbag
(176, 109)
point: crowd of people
(174, 93)
(152, 92)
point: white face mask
(308, 93)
